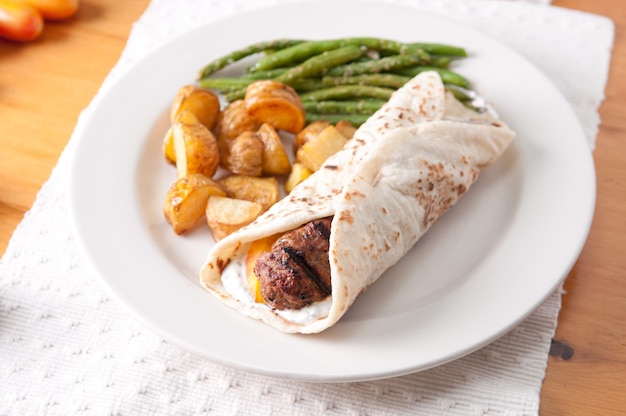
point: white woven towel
(66, 348)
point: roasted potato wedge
(299, 172)
(226, 215)
(275, 103)
(232, 122)
(264, 191)
(196, 150)
(244, 155)
(313, 153)
(184, 116)
(346, 128)
(309, 132)
(186, 201)
(202, 103)
(275, 160)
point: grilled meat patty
(296, 271)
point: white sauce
(234, 277)
(234, 281)
(310, 313)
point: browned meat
(296, 272)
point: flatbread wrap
(364, 209)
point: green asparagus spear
(365, 106)
(376, 80)
(224, 84)
(293, 55)
(347, 92)
(440, 61)
(460, 94)
(447, 76)
(229, 83)
(269, 74)
(441, 49)
(237, 55)
(376, 65)
(235, 94)
(354, 119)
(321, 62)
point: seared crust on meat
(296, 272)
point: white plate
(480, 270)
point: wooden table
(44, 85)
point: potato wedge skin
(186, 200)
(275, 160)
(244, 155)
(202, 103)
(196, 150)
(186, 117)
(262, 190)
(226, 215)
(314, 153)
(275, 103)
(232, 122)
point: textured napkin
(67, 348)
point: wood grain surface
(44, 85)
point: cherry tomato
(55, 9)
(19, 21)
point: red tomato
(55, 9)
(19, 21)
